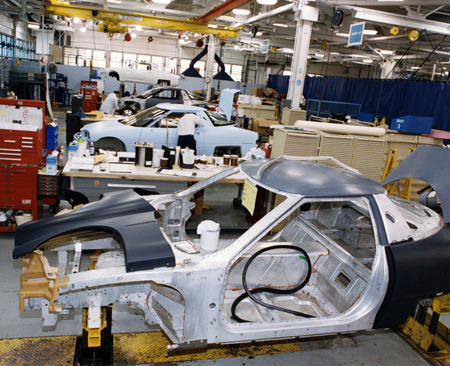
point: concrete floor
(381, 347)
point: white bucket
(157, 155)
(209, 231)
(22, 219)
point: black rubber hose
(249, 293)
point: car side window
(170, 122)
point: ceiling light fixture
(267, 2)
(139, 28)
(367, 60)
(76, 20)
(386, 52)
(415, 67)
(319, 55)
(239, 11)
(226, 18)
(280, 25)
(33, 25)
(133, 35)
(165, 2)
(339, 34)
(390, 0)
(236, 47)
(259, 34)
(115, 1)
(83, 29)
(212, 25)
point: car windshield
(143, 118)
(194, 96)
(147, 93)
(218, 120)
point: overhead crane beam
(222, 9)
(190, 25)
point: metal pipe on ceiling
(266, 15)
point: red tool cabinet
(90, 95)
(21, 154)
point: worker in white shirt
(111, 103)
(186, 130)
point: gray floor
(382, 347)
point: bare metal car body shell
(372, 280)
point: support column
(15, 22)
(387, 71)
(210, 66)
(179, 61)
(305, 15)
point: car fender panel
(417, 270)
(126, 214)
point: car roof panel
(293, 176)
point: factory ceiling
(417, 32)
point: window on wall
(83, 57)
(171, 64)
(228, 69)
(201, 66)
(129, 59)
(116, 59)
(144, 58)
(70, 57)
(159, 61)
(99, 59)
(236, 72)
(185, 65)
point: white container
(157, 155)
(51, 165)
(22, 219)
(81, 149)
(209, 232)
(73, 150)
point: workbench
(93, 183)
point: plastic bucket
(157, 155)
(209, 232)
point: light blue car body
(207, 137)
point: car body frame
(150, 76)
(158, 125)
(150, 98)
(366, 259)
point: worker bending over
(186, 130)
(111, 103)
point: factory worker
(111, 103)
(186, 129)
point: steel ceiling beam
(138, 18)
(222, 9)
(376, 16)
(266, 15)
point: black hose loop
(249, 293)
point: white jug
(209, 232)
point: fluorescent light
(212, 25)
(139, 28)
(115, 1)
(236, 47)
(334, 53)
(342, 34)
(239, 11)
(76, 20)
(133, 35)
(319, 55)
(280, 25)
(367, 60)
(165, 2)
(83, 29)
(33, 25)
(226, 18)
(370, 32)
(390, 0)
(258, 34)
(267, 2)
(386, 52)
(415, 67)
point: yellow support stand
(391, 165)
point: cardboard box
(257, 92)
(270, 93)
(55, 106)
(290, 116)
(262, 125)
(412, 124)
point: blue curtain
(398, 97)
(278, 82)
